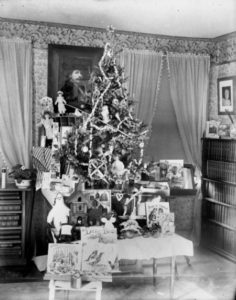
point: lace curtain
(143, 70)
(15, 102)
(189, 79)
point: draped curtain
(143, 71)
(15, 101)
(189, 76)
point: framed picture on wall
(67, 64)
(226, 95)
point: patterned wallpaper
(42, 34)
(223, 65)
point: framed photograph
(212, 129)
(226, 95)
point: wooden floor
(209, 277)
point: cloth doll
(58, 215)
(61, 103)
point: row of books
(220, 170)
(220, 150)
(9, 217)
(7, 237)
(9, 244)
(10, 207)
(220, 213)
(220, 237)
(9, 223)
(9, 195)
(11, 251)
(224, 193)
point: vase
(24, 184)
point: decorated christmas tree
(107, 141)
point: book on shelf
(9, 223)
(14, 248)
(10, 195)
(10, 207)
(9, 217)
(10, 201)
(9, 237)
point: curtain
(189, 76)
(15, 101)
(143, 71)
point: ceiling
(187, 18)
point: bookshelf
(12, 225)
(219, 196)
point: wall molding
(99, 29)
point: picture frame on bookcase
(212, 129)
(226, 95)
(224, 131)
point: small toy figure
(46, 104)
(58, 215)
(130, 229)
(99, 152)
(108, 223)
(115, 104)
(47, 123)
(61, 103)
(105, 114)
(117, 167)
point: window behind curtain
(165, 141)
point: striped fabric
(41, 158)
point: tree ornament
(85, 149)
(97, 169)
(105, 114)
(117, 167)
(141, 145)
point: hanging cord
(155, 105)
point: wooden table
(141, 248)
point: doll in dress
(61, 103)
(47, 123)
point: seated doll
(57, 217)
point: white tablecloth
(147, 248)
